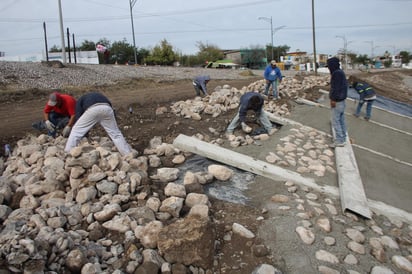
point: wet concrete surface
(382, 148)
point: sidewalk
(381, 146)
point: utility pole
(344, 48)
(45, 41)
(273, 33)
(132, 3)
(313, 37)
(267, 19)
(62, 32)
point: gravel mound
(24, 75)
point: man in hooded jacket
(337, 95)
(200, 84)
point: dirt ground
(20, 108)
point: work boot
(230, 136)
(246, 128)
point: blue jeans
(263, 119)
(58, 120)
(368, 108)
(338, 122)
(274, 85)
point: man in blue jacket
(200, 84)
(250, 101)
(272, 74)
(366, 94)
(337, 95)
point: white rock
(242, 231)
(305, 234)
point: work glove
(66, 131)
(246, 128)
(49, 125)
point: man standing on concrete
(200, 84)
(366, 94)
(272, 75)
(337, 95)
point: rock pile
(93, 211)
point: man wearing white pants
(93, 108)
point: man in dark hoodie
(200, 84)
(337, 95)
(250, 101)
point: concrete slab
(384, 156)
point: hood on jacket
(333, 64)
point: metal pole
(345, 45)
(271, 34)
(45, 41)
(313, 34)
(267, 19)
(62, 33)
(68, 45)
(274, 31)
(74, 50)
(132, 3)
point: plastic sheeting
(230, 191)
(386, 103)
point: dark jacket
(338, 82)
(245, 106)
(202, 82)
(365, 91)
(89, 100)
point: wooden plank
(246, 163)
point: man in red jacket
(59, 113)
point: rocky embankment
(19, 75)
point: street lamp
(345, 48)
(132, 2)
(275, 30)
(372, 47)
(267, 19)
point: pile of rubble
(93, 211)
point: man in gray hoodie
(199, 83)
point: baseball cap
(52, 99)
(273, 62)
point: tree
(87, 46)
(122, 52)
(280, 51)
(162, 54)
(208, 53)
(142, 54)
(55, 48)
(405, 56)
(254, 57)
(361, 59)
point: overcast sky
(368, 26)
